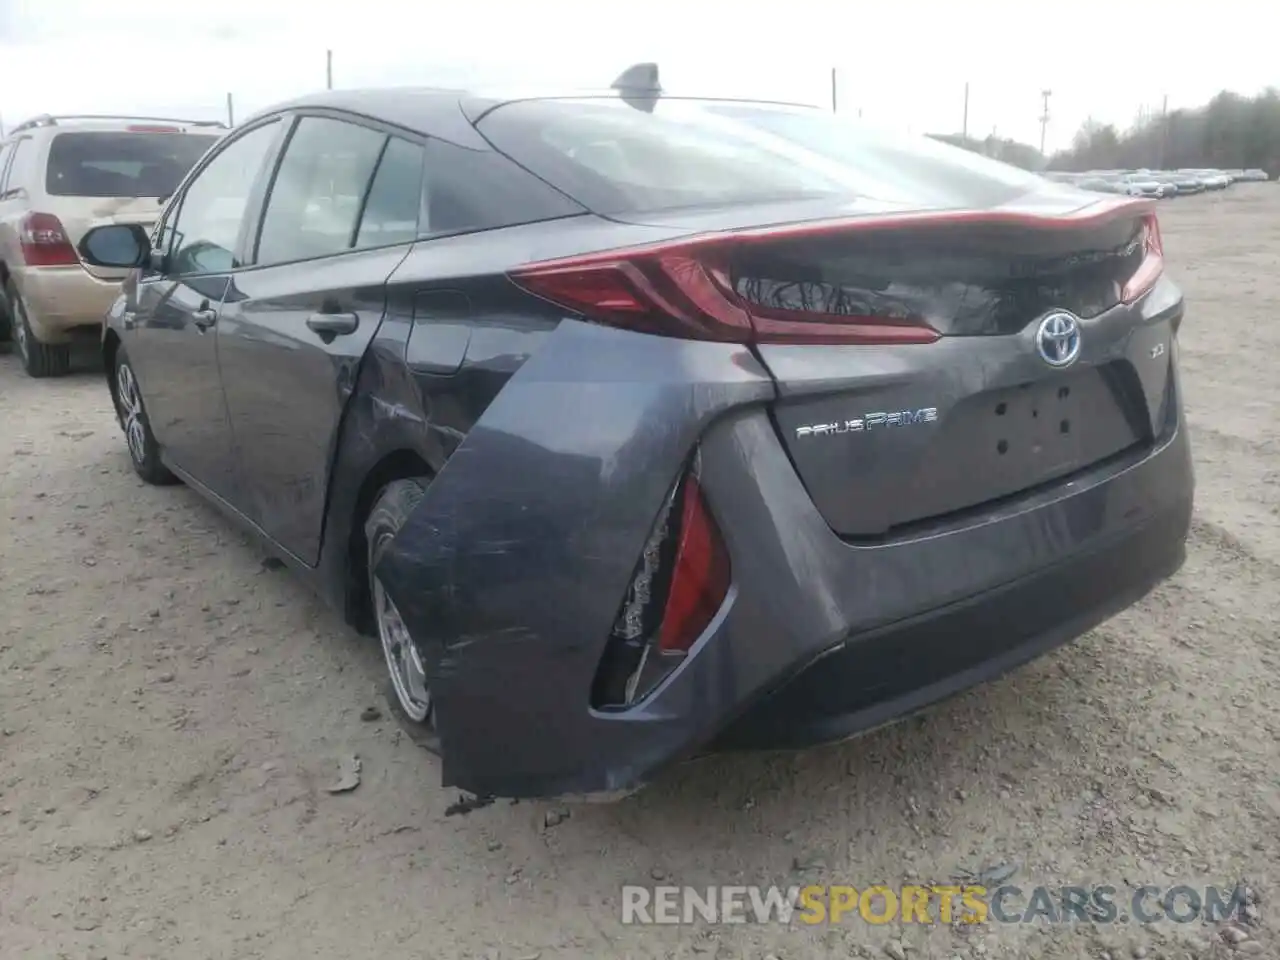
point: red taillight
(45, 243)
(700, 578)
(666, 292)
(1152, 265)
(683, 288)
(679, 584)
(685, 291)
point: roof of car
(60, 123)
(440, 112)
(431, 111)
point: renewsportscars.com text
(934, 904)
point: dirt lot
(174, 710)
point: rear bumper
(511, 570)
(62, 298)
(873, 678)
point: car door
(13, 204)
(340, 215)
(173, 345)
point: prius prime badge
(1058, 339)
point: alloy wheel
(131, 412)
(18, 321)
(403, 662)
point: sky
(902, 64)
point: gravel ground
(174, 711)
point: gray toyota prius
(638, 426)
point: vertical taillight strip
(679, 585)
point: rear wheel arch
(400, 464)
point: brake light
(685, 288)
(679, 584)
(700, 578)
(151, 128)
(45, 243)
(1152, 264)
(685, 291)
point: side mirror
(118, 246)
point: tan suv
(59, 176)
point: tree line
(1229, 132)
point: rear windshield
(121, 164)
(892, 167)
(614, 158)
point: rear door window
(315, 200)
(470, 190)
(5, 152)
(103, 163)
(394, 207)
(20, 164)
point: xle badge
(871, 421)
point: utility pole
(328, 70)
(1164, 133)
(1044, 117)
(231, 113)
(964, 128)
(833, 89)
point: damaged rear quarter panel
(512, 569)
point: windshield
(614, 158)
(120, 163)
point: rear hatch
(95, 177)
(944, 331)
(887, 435)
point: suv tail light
(45, 243)
(679, 585)
(688, 288)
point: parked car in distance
(58, 177)
(1097, 184)
(1186, 185)
(1142, 185)
(579, 404)
(1212, 179)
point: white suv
(59, 176)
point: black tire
(144, 452)
(411, 706)
(39, 359)
(6, 325)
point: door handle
(333, 324)
(204, 318)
